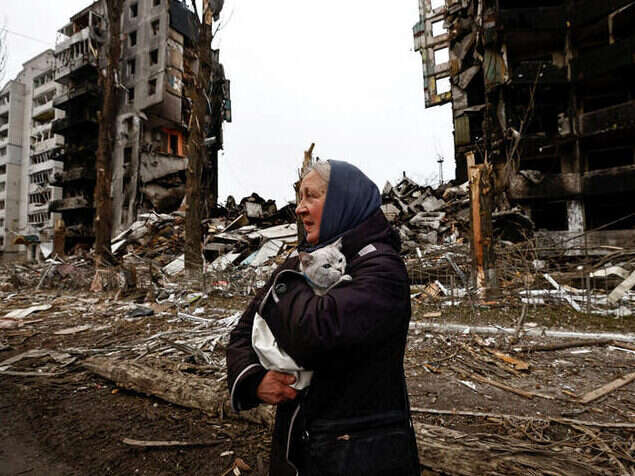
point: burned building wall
(543, 90)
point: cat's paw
(346, 277)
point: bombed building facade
(158, 53)
(544, 91)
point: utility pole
(107, 134)
(440, 161)
(196, 87)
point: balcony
(69, 204)
(45, 112)
(78, 174)
(76, 123)
(74, 57)
(46, 145)
(610, 119)
(44, 89)
(85, 92)
(604, 60)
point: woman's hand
(274, 388)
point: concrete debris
(429, 217)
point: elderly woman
(354, 419)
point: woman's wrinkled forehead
(313, 184)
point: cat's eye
(340, 260)
(326, 266)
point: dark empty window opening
(127, 155)
(614, 212)
(152, 87)
(154, 57)
(174, 144)
(132, 67)
(134, 10)
(132, 37)
(156, 3)
(156, 27)
(606, 159)
(550, 216)
(130, 95)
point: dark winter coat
(354, 418)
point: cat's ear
(305, 258)
(338, 244)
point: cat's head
(324, 266)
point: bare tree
(196, 89)
(107, 134)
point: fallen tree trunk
(455, 453)
(188, 391)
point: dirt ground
(74, 422)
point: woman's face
(312, 198)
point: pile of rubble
(428, 217)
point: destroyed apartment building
(544, 91)
(149, 161)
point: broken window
(130, 95)
(3, 169)
(550, 216)
(156, 3)
(39, 198)
(152, 87)
(154, 57)
(1, 204)
(127, 155)
(437, 4)
(612, 212)
(172, 142)
(441, 56)
(132, 39)
(156, 27)
(438, 28)
(606, 159)
(40, 217)
(2, 186)
(40, 177)
(131, 67)
(134, 10)
(443, 85)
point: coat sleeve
(244, 372)
(348, 321)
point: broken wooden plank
(563, 345)
(623, 288)
(170, 444)
(508, 388)
(608, 388)
(544, 419)
(453, 452)
(190, 391)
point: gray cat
(324, 268)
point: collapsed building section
(149, 159)
(545, 91)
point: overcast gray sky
(342, 74)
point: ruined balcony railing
(49, 144)
(73, 175)
(44, 112)
(61, 126)
(68, 204)
(620, 117)
(73, 94)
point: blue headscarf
(350, 199)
